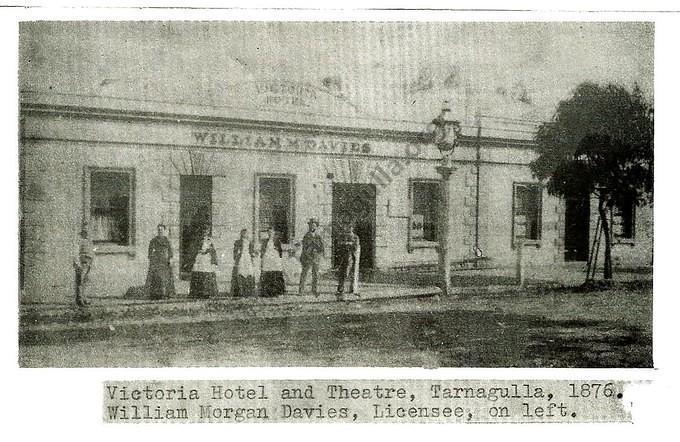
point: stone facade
(60, 143)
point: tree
(600, 142)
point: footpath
(111, 312)
(406, 289)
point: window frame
(413, 243)
(110, 248)
(291, 209)
(531, 242)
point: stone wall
(56, 151)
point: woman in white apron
(203, 278)
(272, 282)
(242, 277)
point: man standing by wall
(350, 252)
(82, 265)
(310, 257)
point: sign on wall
(286, 93)
(247, 140)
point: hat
(313, 221)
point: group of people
(160, 281)
(160, 284)
(272, 282)
(313, 252)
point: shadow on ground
(458, 279)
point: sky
(391, 70)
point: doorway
(577, 228)
(275, 206)
(355, 203)
(195, 217)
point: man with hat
(350, 252)
(310, 257)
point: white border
(66, 403)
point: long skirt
(203, 285)
(242, 286)
(272, 284)
(159, 282)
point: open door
(195, 217)
(577, 228)
(355, 203)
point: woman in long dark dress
(243, 275)
(160, 283)
(203, 278)
(272, 282)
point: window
(424, 210)
(110, 206)
(276, 205)
(623, 220)
(526, 203)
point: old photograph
(336, 194)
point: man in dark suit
(350, 252)
(310, 257)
